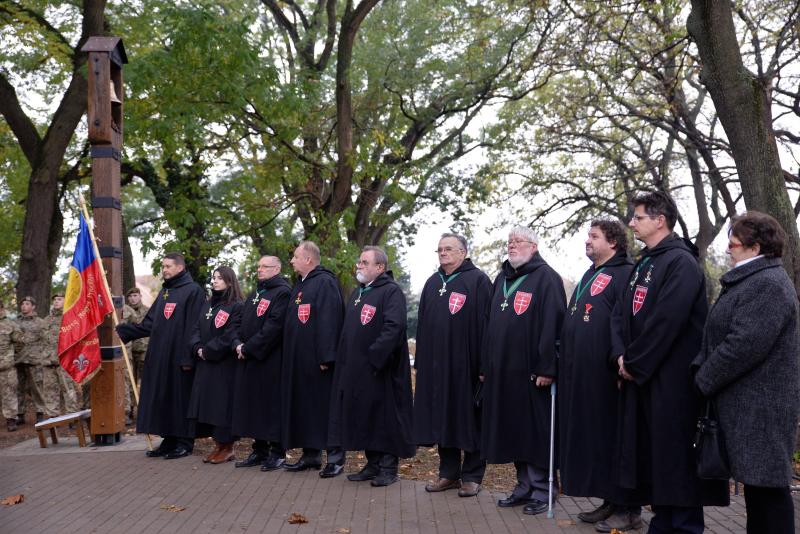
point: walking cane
(552, 448)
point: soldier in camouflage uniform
(31, 355)
(9, 333)
(66, 395)
(139, 346)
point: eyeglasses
(362, 263)
(517, 242)
(732, 245)
(448, 250)
(271, 267)
(638, 218)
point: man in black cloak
(453, 311)
(257, 395)
(311, 332)
(371, 403)
(525, 319)
(660, 322)
(587, 379)
(168, 371)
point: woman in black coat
(749, 365)
(214, 346)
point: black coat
(519, 345)
(660, 321)
(257, 395)
(215, 332)
(164, 397)
(310, 336)
(449, 336)
(371, 402)
(587, 382)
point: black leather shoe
(272, 463)
(253, 459)
(385, 478)
(535, 508)
(368, 473)
(156, 453)
(301, 465)
(331, 470)
(601, 513)
(177, 452)
(513, 500)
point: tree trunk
(43, 226)
(128, 270)
(743, 104)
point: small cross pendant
(504, 305)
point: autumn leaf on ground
(405, 468)
(342, 530)
(172, 508)
(296, 519)
(565, 522)
(12, 500)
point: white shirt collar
(748, 260)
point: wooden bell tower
(104, 111)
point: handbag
(709, 447)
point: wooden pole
(114, 318)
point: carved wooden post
(106, 93)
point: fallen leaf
(406, 467)
(565, 522)
(172, 508)
(296, 519)
(343, 530)
(12, 500)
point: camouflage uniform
(138, 346)
(31, 355)
(65, 395)
(9, 333)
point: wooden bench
(62, 420)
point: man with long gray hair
(525, 318)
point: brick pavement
(118, 489)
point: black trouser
(769, 510)
(170, 443)
(381, 461)
(221, 434)
(674, 519)
(336, 455)
(452, 468)
(268, 448)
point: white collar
(748, 260)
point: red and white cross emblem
(263, 305)
(304, 312)
(221, 318)
(521, 301)
(638, 298)
(169, 307)
(367, 313)
(456, 302)
(599, 284)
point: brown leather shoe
(469, 489)
(442, 484)
(225, 454)
(207, 458)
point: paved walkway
(117, 489)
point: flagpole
(114, 317)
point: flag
(86, 303)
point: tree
(743, 101)
(45, 153)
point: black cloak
(164, 397)
(371, 402)
(449, 335)
(521, 344)
(257, 395)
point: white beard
(517, 262)
(362, 279)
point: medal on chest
(450, 278)
(507, 291)
(597, 283)
(299, 298)
(361, 291)
(586, 313)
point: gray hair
(311, 249)
(525, 233)
(461, 239)
(380, 255)
(276, 258)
